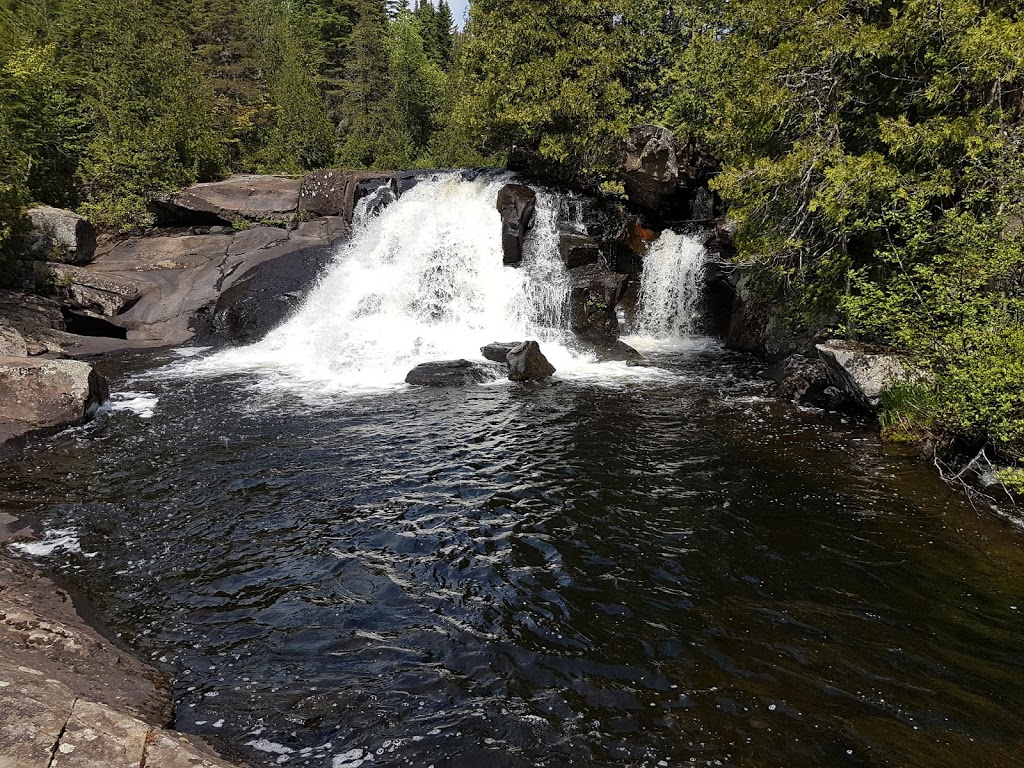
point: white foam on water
(423, 280)
(269, 747)
(142, 404)
(54, 540)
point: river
(633, 566)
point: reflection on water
(654, 571)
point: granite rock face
(862, 372)
(68, 697)
(38, 394)
(517, 204)
(59, 235)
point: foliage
(570, 78)
(873, 162)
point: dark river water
(655, 572)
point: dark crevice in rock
(83, 324)
(63, 730)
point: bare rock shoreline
(68, 696)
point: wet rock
(527, 363)
(497, 351)
(517, 204)
(578, 250)
(620, 351)
(449, 373)
(240, 197)
(595, 291)
(59, 235)
(107, 295)
(262, 298)
(808, 381)
(861, 371)
(649, 166)
(38, 394)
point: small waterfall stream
(670, 287)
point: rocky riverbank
(69, 696)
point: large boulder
(59, 235)
(449, 373)
(517, 204)
(649, 166)
(497, 351)
(527, 363)
(594, 293)
(37, 394)
(861, 371)
(241, 197)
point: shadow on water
(665, 571)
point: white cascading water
(422, 279)
(670, 287)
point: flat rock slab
(451, 373)
(247, 197)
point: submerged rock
(516, 203)
(861, 371)
(60, 235)
(527, 363)
(620, 351)
(37, 394)
(497, 351)
(448, 373)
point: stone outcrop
(107, 295)
(12, 343)
(650, 168)
(578, 250)
(239, 197)
(62, 236)
(595, 291)
(449, 373)
(517, 204)
(335, 192)
(527, 363)
(497, 351)
(38, 394)
(862, 372)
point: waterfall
(421, 279)
(670, 287)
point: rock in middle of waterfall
(527, 363)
